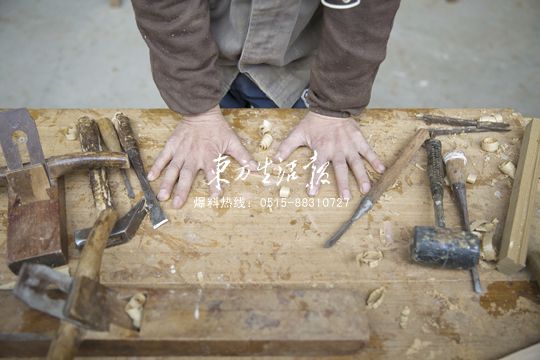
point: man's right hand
(194, 145)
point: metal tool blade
(124, 229)
(157, 216)
(19, 120)
(476, 280)
(127, 184)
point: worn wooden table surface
(229, 245)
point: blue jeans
(244, 93)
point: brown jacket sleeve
(353, 45)
(182, 52)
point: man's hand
(194, 145)
(338, 140)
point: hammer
(439, 246)
(69, 335)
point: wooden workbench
(222, 247)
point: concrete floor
(482, 53)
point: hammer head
(445, 248)
(123, 230)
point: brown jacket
(197, 47)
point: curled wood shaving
(404, 317)
(370, 258)
(375, 298)
(508, 168)
(134, 308)
(71, 133)
(489, 144)
(265, 127)
(266, 141)
(471, 178)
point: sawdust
(370, 258)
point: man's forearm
(353, 45)
(182, 52)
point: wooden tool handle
(108, 134)
(125, 132)
(455, 162)
(90, 141)
(391, 175)
(66, 342)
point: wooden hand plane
(36, 230)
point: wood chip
(370, 258)
(134, 308)
(508, 168)
(266, 141)
(375, 298)
(71, 133)
(471, 178)
(284, 192)
(404, 317)
(265, 127)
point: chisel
(129, 144)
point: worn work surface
(229, 246)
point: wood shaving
(404, 317)
(508, 168)
(375, 298)
(200, 276)
(493, 118)
(284, 192)
(71, 133)
(420, 167)
(265, 127)
(266, 141)
(471, 178)
(370, 258)
(134, 308)
(489, 144)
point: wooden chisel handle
(108, 134)
(125, 132)
(90, 141)
(391, 175)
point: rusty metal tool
(36, 229)
(125, 227)
(110, 138)
(129, 144)
(81, 302)
(387, 179)
(446, 120)
(439, 246)
(455, 162)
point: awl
(129, 144)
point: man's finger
(287, 146)
(341, 172)
(210, 175)
(240, 153)
(359, 171)
(187, 175)
(161, 161)
(367, 152)
(315, 174)
(171, 174)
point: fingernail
(176, 201)
(381, 168)
(277, 158)
(151, 176)
(346, 195)
(365, 187)
(312, 191)
(163, 195)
